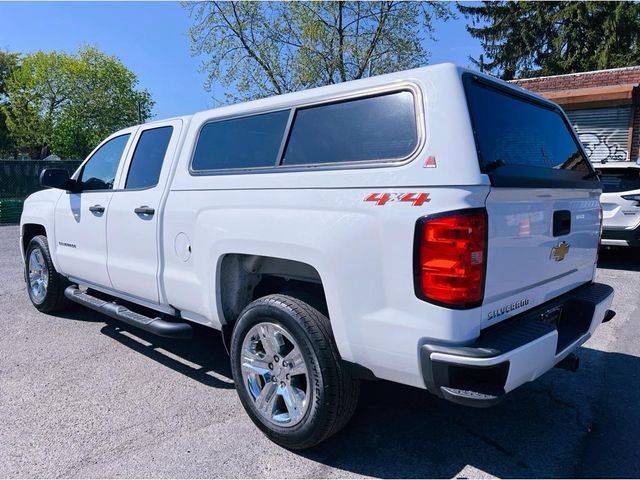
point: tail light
(450, 258)
(633, 198)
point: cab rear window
(523, 142)
(620, 179)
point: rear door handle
(144, 210)
(96, 209)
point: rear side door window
(148, 157)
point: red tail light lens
(451, 252)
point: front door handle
(97, 209)
(144, 210)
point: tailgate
(543, 207)
(527, 264)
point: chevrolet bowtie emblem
(558, 253)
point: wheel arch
(30, 230)
(242, 278)
(37, 217)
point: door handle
(561, 222)
(144, 210)
(96, 209)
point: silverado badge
(558, 253)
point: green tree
(37, 93)
(8, 63)
(257, 49)
(524, 39)
(67, 103)
(103, 99)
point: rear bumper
(517, 350)
(621, 237)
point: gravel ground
(84, 396)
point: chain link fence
(19, 179)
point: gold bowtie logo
(558, 253)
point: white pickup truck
(434, 227)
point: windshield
(512, 130)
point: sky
(151, 39)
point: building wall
(635, 141)
(598, 89)
(616, 76)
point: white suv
(434, 227)
(620, 203)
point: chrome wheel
(275, 374)
(38, 275)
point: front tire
(44, 284)
(288, 373)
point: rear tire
(282, 337)
(44, 284)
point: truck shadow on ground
(582, 424)
(203, 358)
(562, 425)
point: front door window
(99, 172)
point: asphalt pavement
(82, 395)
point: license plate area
(552, 316)
(572, 321)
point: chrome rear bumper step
(155, 325)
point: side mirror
(58, 178)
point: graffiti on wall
(601, 147)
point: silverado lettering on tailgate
(508, 308)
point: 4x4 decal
(416, 199)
